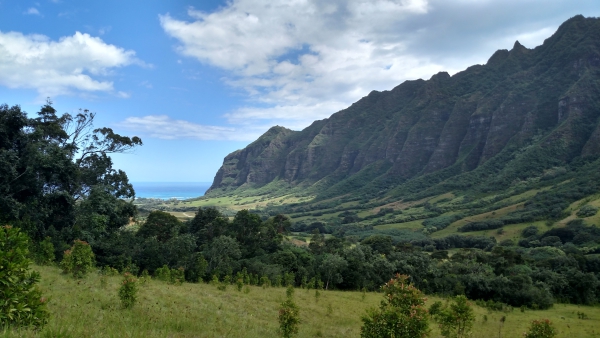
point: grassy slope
(87, 309)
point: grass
(452, 228)
(413, 225)
(87, 308)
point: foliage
(45, 252)
(541, 329)
(587, 211)
(289, 315)
(401, 314)
(58, 179)
(78, 260)
(22, 302)
(128, 291)
(457, 319)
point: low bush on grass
(79, 260)
(401, 315)
(21, 302)
(541, 329)
(128, 291)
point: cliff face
(546, 99)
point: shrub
(541, 329)
(163, 274)
(128, 291)
(177, 276)
(457, 320)
(21, 302)
(45, 252)
(289, 315)
(435, 308)
(79, 260)
(587, 211)
(401, 314)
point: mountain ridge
(543, 101)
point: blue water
(168, 190)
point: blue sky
(197, 80)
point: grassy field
(90, 308)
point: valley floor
(90, 308)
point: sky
(197, 80)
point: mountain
(525, 113)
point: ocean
(168, 190)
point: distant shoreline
(170, 190)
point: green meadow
(90, 308)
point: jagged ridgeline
(523, 114)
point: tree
(332, 267)
(401, 314)
(22, 302)
(50, 164)
(222, 253)
(161, 225)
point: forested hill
(522, 113)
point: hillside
(513, 119)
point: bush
(289, 315)
(401, 313)
(541, 329)
(128, 291)
(457, 320)
(79, 260)
(22, 303)
(45, 252)
(163, 274)
(587, 211)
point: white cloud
(33, 11)
(303, 59)
(78, 63)
(166, 128)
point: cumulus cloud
(166, 128)
(77, 63)
(301, 60)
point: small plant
(265, 282)
(246, 289)
(177, 276)
(581, 315)
(144, 277)
(329, 309)
(317, 295)
(457, 319)
(222, 286)
(289, 315)
(401, 314)
(79, 260)
(21, 302)
(363, 294)
(163, 274)
(128, 291)
(541, 329)
(435, 308)
(45, 254)
(214, 280)
(240, 284)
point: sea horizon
(170, 190)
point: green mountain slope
(523, 114)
